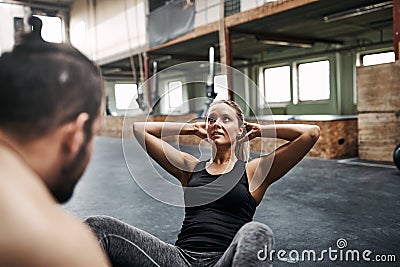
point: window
(78, 38)
(221, 87)
(277, 84)
(314, 81)
(378, 58)
(18, 28)
(126, 95)
(231, 7)
(175, 97)
(52, 29)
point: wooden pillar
(146, 66)
(229, 62)
(225, 48)
(146, 78)
(396, 28)
(67, 21)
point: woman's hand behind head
(252, 130)
(200, 129)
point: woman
(218, 228)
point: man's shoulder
(35, 231)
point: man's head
(51, 90)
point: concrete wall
(7, 14)
(109, 31)
(207, 11)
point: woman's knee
(99, 223)
(257, 230)
(96, 220)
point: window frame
(168, 95)
(262, 87)
(62, 27)
(282, 103)
(296, 81)
(360, 55)
(221, 86)
(116, 101)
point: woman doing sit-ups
(218, 228)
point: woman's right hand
(200, 129)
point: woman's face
(222, 124)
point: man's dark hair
(44, 85)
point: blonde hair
(241, 149)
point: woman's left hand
(251, 131)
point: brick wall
(338, 137)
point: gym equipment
(210, 92)
(396, 157)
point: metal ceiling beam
(319, 53)
(286, 38)
(179, 56)
(357, 11)
(185, 57)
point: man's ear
(74, 135)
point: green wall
(342, 80)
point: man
(51, 100)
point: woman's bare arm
(177, 163)
(301, 139)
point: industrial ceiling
(332, 25)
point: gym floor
(310, 208)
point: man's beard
(70, 175)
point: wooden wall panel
(379, 111)
(378, 88)
(379, 134)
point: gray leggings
(126, 245)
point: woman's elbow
(134, 127)
(137, 127)
(314, 132)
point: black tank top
(212, 226)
